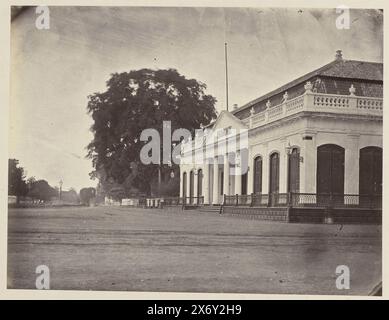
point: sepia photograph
(196, 149)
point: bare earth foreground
(117, 248)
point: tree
(135, 101)
(16, 179)
(30, 182)
(86, 195)
(70, 196)
(100, 193)
(41, 190)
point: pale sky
(53, 71)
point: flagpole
(225, 56)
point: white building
(317, 136)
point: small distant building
(132, 202)
(108, 201)
(12, 199)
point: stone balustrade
(317, 102)
(312, 102)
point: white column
(182, 170)
(195, 184)
(351, 165)
(265, 170)
(205, 180)
(188, 186)
(226, 178)
(283, 168)
(215, 194)
(210, 183)
(308, 152)
(250, 173)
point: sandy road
(108, 248)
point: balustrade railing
(275, 111)
(173, 201)
(291, 199)
(325, 100)
(193, 201)
(317, 102)
(311, 102)
(297, 200)
(294, 104)
(259, 200)
(337, 200)
(244, 200)
(229, 200)
(374, 104)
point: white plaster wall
(351, 133)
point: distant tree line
(40, 190)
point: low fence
(336, 200)
(291, 200)
(300, 200)
(257, 200)
(173, 201)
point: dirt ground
(117, 248)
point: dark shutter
(294, 171)
(370, 170)
(258, 175)
(330, 169)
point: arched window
(294, 170)
(244, 164)
(370, 170)
(274, 172)
(330, 169)
(244, 183)
(257, 175)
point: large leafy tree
(41, 190)
(135, 101)
(17, 185)
(70, 196)
(86, 195)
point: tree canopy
(132, 102)
(17, 185)
(86, 195)
(41, 190)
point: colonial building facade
(317, 136)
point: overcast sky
(53, 71)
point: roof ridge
(363, 61)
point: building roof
(339, 68)
(353, 69)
